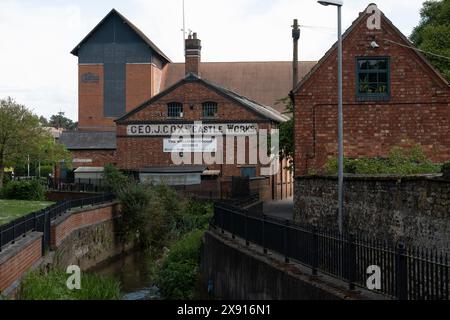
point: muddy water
(134, 273)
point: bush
(400, 162)
(39, 285)
(46, 171)
(24, 190)
(178, 274)
(114, 180)
(446, 170)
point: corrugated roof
(175, 169)
(85, 140)
(132, 26)
(264, 82)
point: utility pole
(295, 37)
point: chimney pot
(193, 54)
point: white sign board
(192, 129)
(174, 179)
(206, 144)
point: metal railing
(406, 273)
(41, 220)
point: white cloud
(35, 40)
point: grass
(39, 285)
(13, 209)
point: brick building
(126, 82)
(392, 97)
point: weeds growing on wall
(401, 161)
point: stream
(133, 270)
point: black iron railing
(406, 273)
(40, 220)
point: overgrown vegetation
(41, 285)
(160, 220)
(179, 271)
(23, 190)
(446, 170)
(401, 161)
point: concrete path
(283, 209)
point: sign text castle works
(192, 129)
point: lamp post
(339, 5)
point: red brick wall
(99, 157)
(137, 152)
(90, 101)
(16, 266)
(60, 229)
(417, 112)
(138, 84)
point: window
(373, 78)
(175, 110)
(248, 172)
(209, 110)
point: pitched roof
(86, 140)
(264, 82)
(131, 25)
(264, 111)
(355, 23)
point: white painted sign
(205, 144)
(204, 129)
(82, 160)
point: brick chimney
(193, 54)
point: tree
(287, 132)
(22, 135)
(60, 121)
(433, 34)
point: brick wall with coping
(66, 224)
(18, 258)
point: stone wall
(415, 210)
(237, 272)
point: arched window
(175, 110)
(209, 110)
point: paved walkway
(283, 209)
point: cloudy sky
(36, 37)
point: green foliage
(59, 121)
(178, 274)
(24, 190)
(46, 170)
(401, 161)
(39, 285)
(433, 34)
(446, 170)
(115, 180)
(196, 215)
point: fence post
(286, 241)
(247, 243)
(232, 226)
(264, 234)
(401, 270)
(13, 232)
(221, 221)
(1, 240)
(351, 263)
(315, 250)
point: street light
(339, 5)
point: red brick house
(392, 97)
(126, 82)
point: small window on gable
(372, 78)
(175, 110)
(209, 110)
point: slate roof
(175, 169)
(86, 140)
(264, 111)
(264, 81)
(132, 26)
